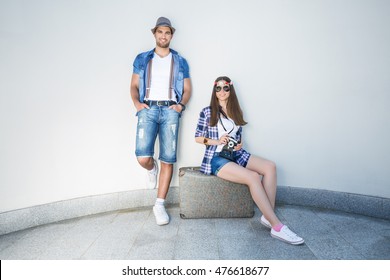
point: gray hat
(163, 21)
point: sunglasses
(225, 88)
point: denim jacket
(180, 72)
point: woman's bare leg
(267, 169)
(238, 174)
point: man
(160, 88)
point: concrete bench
(203, 196)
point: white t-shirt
(159, 84)
(229, 126)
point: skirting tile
(20, 219)
(372, 206)
(62, 210)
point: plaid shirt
(204, 130)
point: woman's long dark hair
(233, 107)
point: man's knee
(145, 161)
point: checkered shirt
(204, 130)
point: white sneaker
(286, 235)
(161, 215)
(265, 222)
(152, 176)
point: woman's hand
(238, 147)
(224, 139)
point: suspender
(170, 80)
(150, 79)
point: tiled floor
(133, 234)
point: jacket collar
(151, 52)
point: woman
(219, 128)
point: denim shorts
(161, 121)
(218, 162)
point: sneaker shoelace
(161, 210)
(161, 215)
(288, 232)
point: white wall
(312, 77)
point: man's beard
(161, 45)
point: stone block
(207, 196)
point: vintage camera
(231, 144)
(228, 150)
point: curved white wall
(312, 76)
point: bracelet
(205, 141)
(183, 107)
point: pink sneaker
(286, 235)
(265, 222)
